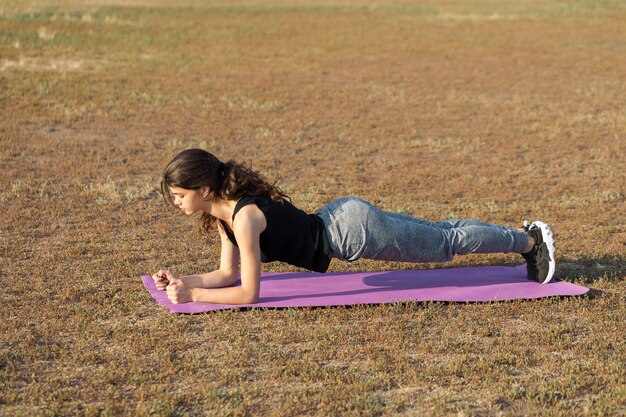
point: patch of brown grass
(485, 110)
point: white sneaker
(540, 261)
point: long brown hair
(194, 168)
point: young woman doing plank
(257, 223)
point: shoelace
(550, 232)
(526, 225)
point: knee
(449, 244)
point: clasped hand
(177, 291)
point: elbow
(250, 298)
(230, 280)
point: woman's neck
(222, 209)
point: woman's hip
(346, 223)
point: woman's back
(291, 235)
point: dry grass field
(486, 109)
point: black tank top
(291, 235)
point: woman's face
(189, 201)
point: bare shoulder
(249, 218)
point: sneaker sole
(548, 237)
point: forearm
(215, 279)
(231, 295)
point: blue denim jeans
(356, 229)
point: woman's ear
(204, 190)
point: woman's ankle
(530, 245)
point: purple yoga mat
(312, 289)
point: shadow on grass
(589, 270)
